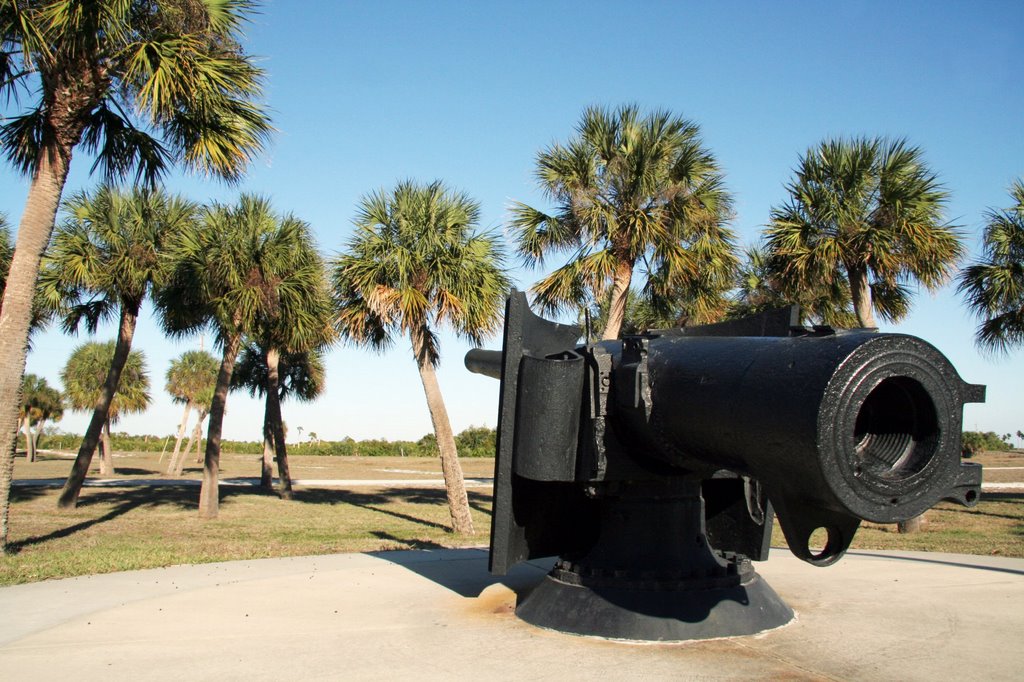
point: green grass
(130, 528)
(115, 529)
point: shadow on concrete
(464, 571)
(942, 562)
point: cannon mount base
(652, 576)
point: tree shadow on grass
(28, 493)
(375, 501)
(122, 501)
(186, 498)
(407, 543)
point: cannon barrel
(858, 423)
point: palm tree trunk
(181, 435)
(107, 463)
(126, 330)
(617, 304)
(30, 444)
(454, 483)
(197, 432)
(274, 423)
(209, 493)
(16, 308)
(860, 292)
(35, 438)
(910, 525)
(267, 463)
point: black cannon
(653, 466)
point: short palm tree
(868, 211)
(84, 376)
(264, 372)
(416, 262)
(142, 86)
(631, 190)
(994, 284)
(40, 403)
(103, 263)
(759, 287)
(190, 381)
(299, 325)
(235, 271)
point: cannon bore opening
(897, 431)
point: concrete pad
(432, 615)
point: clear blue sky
(365, 94)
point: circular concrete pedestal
(438, 615)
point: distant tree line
(475, 441)
(974, 442)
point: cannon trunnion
(653, 466)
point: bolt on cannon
(653, 466)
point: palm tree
(759, 287)
(6, 251)
(47, 406)
(416, 262)
(631, 191)
(994, 285)
(103, 262)
(84, 376)
(299, 324)
(142, 85)
(190, 381)
(868, 211)
(235, 272)
(39, 403)
(263, 372)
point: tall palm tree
(142, 86)
(40, 402)
(190, 381)
(994, 284)
(264, 372)
(631, 190)
(234, 272)
(869, 211)
(416, 262)
(103, 263)
(84, 376)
